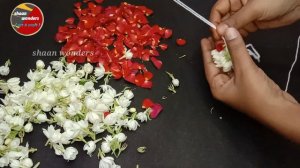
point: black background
(186, 134)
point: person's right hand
(250, 15)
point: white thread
(196, 14)
(292, 67)
(253, 52)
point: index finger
(221, 8)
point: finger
(219, 10)
(210, 68)
(235, 5)
(236, 46)
(241, 18)
(282, 21)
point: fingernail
(222, 28)
(231, 34)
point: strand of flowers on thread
(293, 65)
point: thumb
(237, 49)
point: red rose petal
(181, 42)
(220, 46)
(105, 114)
(163, 47)
(147, 103)
(156, 109)
(157, 63)
(168, 33)
(70, 20)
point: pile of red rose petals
(109, 32)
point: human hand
(250, 15)
(248, 88)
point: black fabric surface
(186, 134)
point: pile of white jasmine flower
(64, 95)
(222, 59)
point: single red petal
(70, 59)
(156, 62)
(70, 20)
(181, 42)
(168, 33)
(163, 47)
(105, 114)
(130, 78)
(139, 80)
(220, 46)
(147, 103)
(147, 85)
(155, 111)
(148, 75)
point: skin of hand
(250, 15)
(249, 90)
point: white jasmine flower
(13, 84)
(105, 147)
(4, 70)
(59, 150)
(93, 117)
(111, 119)
(95, 94)
(175, 82)
(74, 108)
(42, 118)
(57, 65)
(132, 110)
(71, 69)
(98, 128)
(107, 99)
(142, 116)
(89, 147)
(123, 101)
(88, 68)
(53, 135)
(18, 121)
(70, 153)
(26, 163)
(121, 111)
(128, 94)
(132, 125)
(40, 64)
(108, 162)
(99, 72)
(15, 164)
(80, 73)
(121, 137)
(28, 127)
(15, 143)
(14, 155)
(2, 113)
(89, 86)
(83, 124)
(4, 161)
(4, 129)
